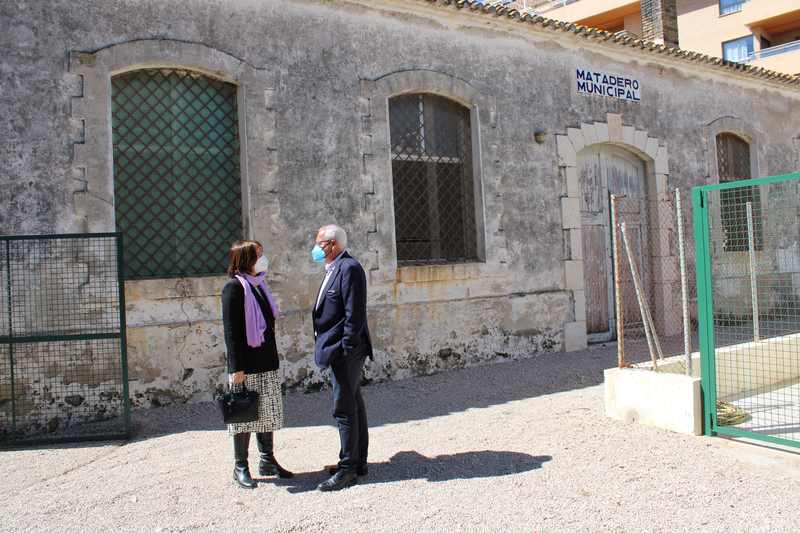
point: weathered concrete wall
(314, 79)
(176, 349)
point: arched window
(432, 176)
(733, 162)
(177, 186)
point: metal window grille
(63, 371)
(177, 187)
(733, 160)
(434, 192)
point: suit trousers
(349, 411)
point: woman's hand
(237, 377)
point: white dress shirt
(328, 272)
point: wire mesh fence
(750, 306)
(63, 373)
(654, 280)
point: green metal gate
(63, 369)
(747, 238)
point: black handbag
(238, 406)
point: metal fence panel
(748, 249)
(63, 371)
(653, 246)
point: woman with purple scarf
(248, 317)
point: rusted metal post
(649, 331)
(617, 281)
(652, 325)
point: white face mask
(262, 264)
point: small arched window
(433, 182)
(733, 162)
(177, 185)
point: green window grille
(733, 161)
(434, 192)
(177, 186)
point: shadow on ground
(408, 465)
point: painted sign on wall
(606, 84)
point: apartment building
(763, 33)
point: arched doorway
(604, 170)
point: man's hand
(237, 377)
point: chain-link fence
(748, 235)
(654, 282)
(63, 373)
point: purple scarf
(255, 325)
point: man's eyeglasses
(322, 244)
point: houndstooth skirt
(270, 403)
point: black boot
(241, 470)
(268, 465)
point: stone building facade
(317, 92)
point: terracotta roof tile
(597, 34)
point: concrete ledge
(662, 399)
(670, 400)
(747, 368)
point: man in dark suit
(342, 342)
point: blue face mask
(317, 254)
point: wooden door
(606, 170)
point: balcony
(781, 58)
(768, 14)
(588, 8)
(608, 15)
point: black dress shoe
(241, 474)
(340, 480)
(362, 470)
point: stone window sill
(168, 288)
(441, 272)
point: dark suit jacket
(340, 321)
(241, 356)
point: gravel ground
(517, 446)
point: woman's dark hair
(242, 257)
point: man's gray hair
(336, 233)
